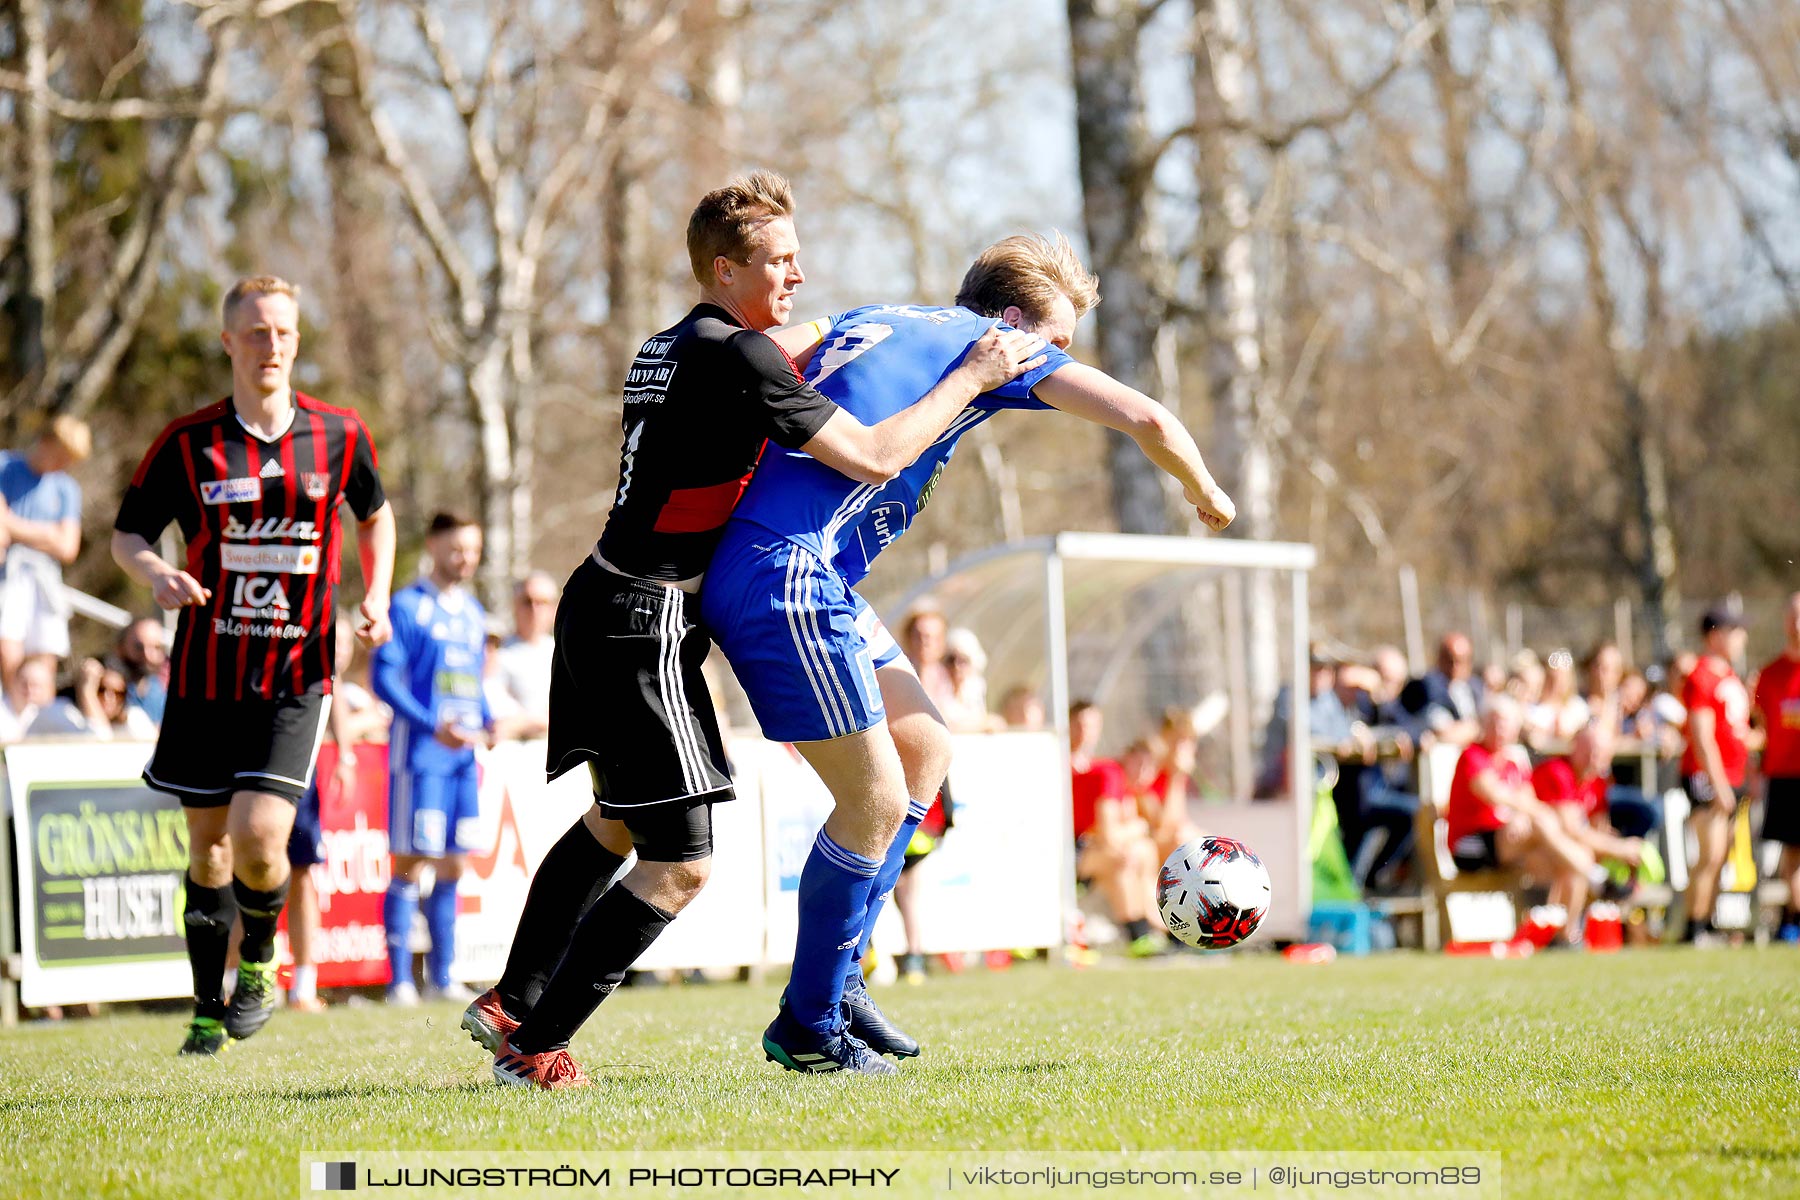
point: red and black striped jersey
(701, 400)
(261, 523)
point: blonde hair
(256, 285)
(1030, 271)
(727, 218)
(72, 434)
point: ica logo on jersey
(259, 598)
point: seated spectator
(1635, 719)
(512, 720)
(1602, 674)
(77, 710)
(31, 692)
(522, 661)
(40, 534)
(143, 654)
(1452, 693)
(1576, 788)
(1328, 722)
(1496, 821)
(1560, 712)
(1113, 849)
(1379, 843)
(964, 703)
(95, 705)
(1525, 678)
(1158, 775)
(1020, 708)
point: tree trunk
(1657, 560)
(32, 326)
(1115, 178)
(488, 381)
(1237, 376)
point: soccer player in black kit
(254, 482)
(627, 697)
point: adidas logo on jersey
(271, 470)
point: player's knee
(926, 756)
(685, 879)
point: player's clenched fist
(374, 630)
(1213, 507)
(178, 589)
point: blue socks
(440, 920)
(884, 884)
(397, 917)
(835, 886)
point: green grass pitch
(1666, 1073)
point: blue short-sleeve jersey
(875, 362)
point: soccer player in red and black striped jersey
(627, 697)
(254, 482)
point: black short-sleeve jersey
(701, 399)
(261, 523)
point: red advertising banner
(351, 949)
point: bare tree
(525, 164)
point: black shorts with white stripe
(627, 694)
(209, 749)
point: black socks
(207, 913)
(258, 911)
(567, 883)
(614, 934)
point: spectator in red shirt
(1495, 820)
(1158, 774)
(1113, 848)
(1717, 752)
(1575, 788)
(1778, 706)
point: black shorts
(1699, 789)
(1781, 812)
(209, 749)
(627, 694)
(1478, 851)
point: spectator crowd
(1549, 781)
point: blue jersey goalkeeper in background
(430, 674)
(819, 668)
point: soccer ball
(1213, 892)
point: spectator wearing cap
(40, 533)
(1330, 724)
(143, 654)
(1452, 692)
(522, 662)
(1777, 705)
(1715, 759)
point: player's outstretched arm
(171, 587)
(375, 540)
(876, 453)
(1095, 396)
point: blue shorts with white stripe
(804, 646)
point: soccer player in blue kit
(820, 669)
(430, 674)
